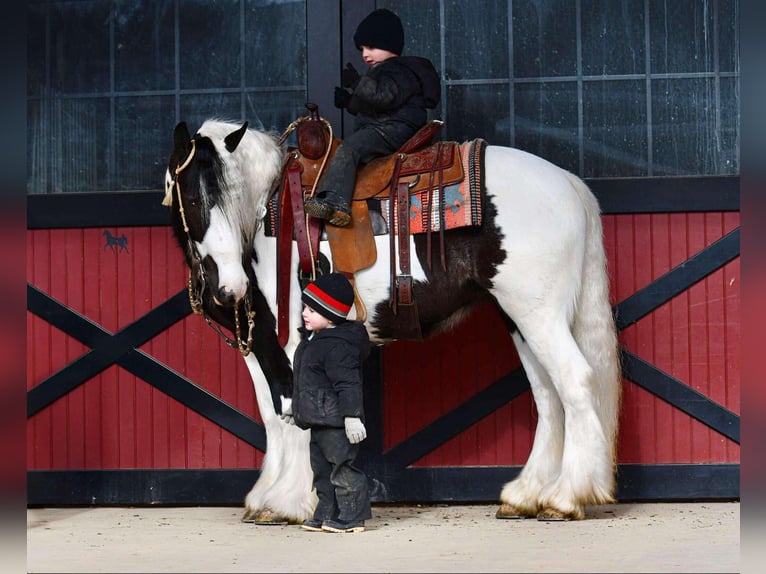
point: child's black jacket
(396, 90)
(327, 376)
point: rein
(195, 297)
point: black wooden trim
(666, 194)
(138, 487)
(196, 398)
(107, 348)
(351, 15)
(616, 196)
(323, 58)
(645, 482)
(105, 353)
(680, 395)
(372, 446)
(677, 280)
(108, 209)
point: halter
(195, 297)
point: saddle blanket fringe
(460, 203)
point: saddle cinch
(418, 166)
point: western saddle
(420, 165)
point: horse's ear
(232, 140)
(181, 137)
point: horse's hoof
(265, 517)
(551, 515)
(510, 512)
(268, 517)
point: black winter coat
(327, 376)
(396, 90)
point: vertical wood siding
(116, 420)
(694, 337)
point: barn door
(133, 400)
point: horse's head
(210, 217)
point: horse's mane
(248, 172)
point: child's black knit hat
(380, 29)
(331, 296)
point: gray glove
(355, 431)
(287, 410)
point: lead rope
(195, 300)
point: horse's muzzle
(226, 298)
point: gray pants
(360, 147)
(343, 489)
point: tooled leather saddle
(419, 166)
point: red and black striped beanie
(331, 296)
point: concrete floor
(657, 537)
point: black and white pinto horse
(538, 254)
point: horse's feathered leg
(283, 491)
(553, 285)
(586, 467)
(520, 497)
(590, 384)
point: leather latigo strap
(392, 235)
(404, 281)
(284, 263)
(403, 305)
(292, 222)
(403, 230)
(306, 236)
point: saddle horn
(232, 140)
(312, 135)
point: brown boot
(330, 208)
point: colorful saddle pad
(460, 203)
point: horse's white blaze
(221, 242)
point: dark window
(602, 88)
(107, 81)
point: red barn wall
(117, 421)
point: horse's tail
(594, 327)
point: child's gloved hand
(342, 97)
(349, 76)
(355, 431)
(287, 410)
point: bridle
(197, 288)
